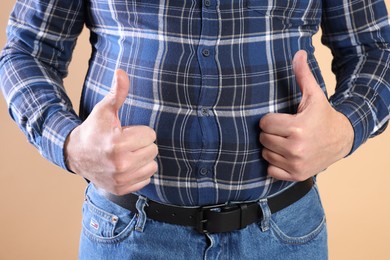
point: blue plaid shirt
(202, 73)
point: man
(221, 129)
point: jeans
(112, 232)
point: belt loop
(265, 221)
(86, 190)
(140, 205)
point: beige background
(40, 204)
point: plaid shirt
(202, 73)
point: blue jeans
(111, 232)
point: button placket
(206, 50)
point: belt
(215, 218)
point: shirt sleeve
(41, 38)
(358, 34)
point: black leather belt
(215, 218)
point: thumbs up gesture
(119, 159)
(301, 145)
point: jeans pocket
(301, 222)
(104, 221)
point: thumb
(119, 90)
(305, 79)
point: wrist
(57, 127)
(69, 150)
(359, 111)
(345, 132)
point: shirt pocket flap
(298, 11)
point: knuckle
(120, 166)
(297, 151)
(155, 150)
(119, 186)
(149, 133)
(262, 137)
(115, 181)
(154, 167)
(153, 135)
(294, 167)
(264, 154)
(146, 181)
(271, 171)
(112, 149)
(264, 121)
(261, 123)
(140, 185)
(297, 168)
(297, 131)
(150, 170)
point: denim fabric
(111, 232)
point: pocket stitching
(114, 239)
(305, 238)
(96, 210)
(256, 7)
(297, 240)
(296, 15)
(92, 209)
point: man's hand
(302, 145)
(115, 158)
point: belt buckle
(202, 220)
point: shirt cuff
(359, 115)
(57, 128)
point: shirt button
(207, 3)
(204, 171)
(206, 52)
(205, 111)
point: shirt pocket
(289, 14)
